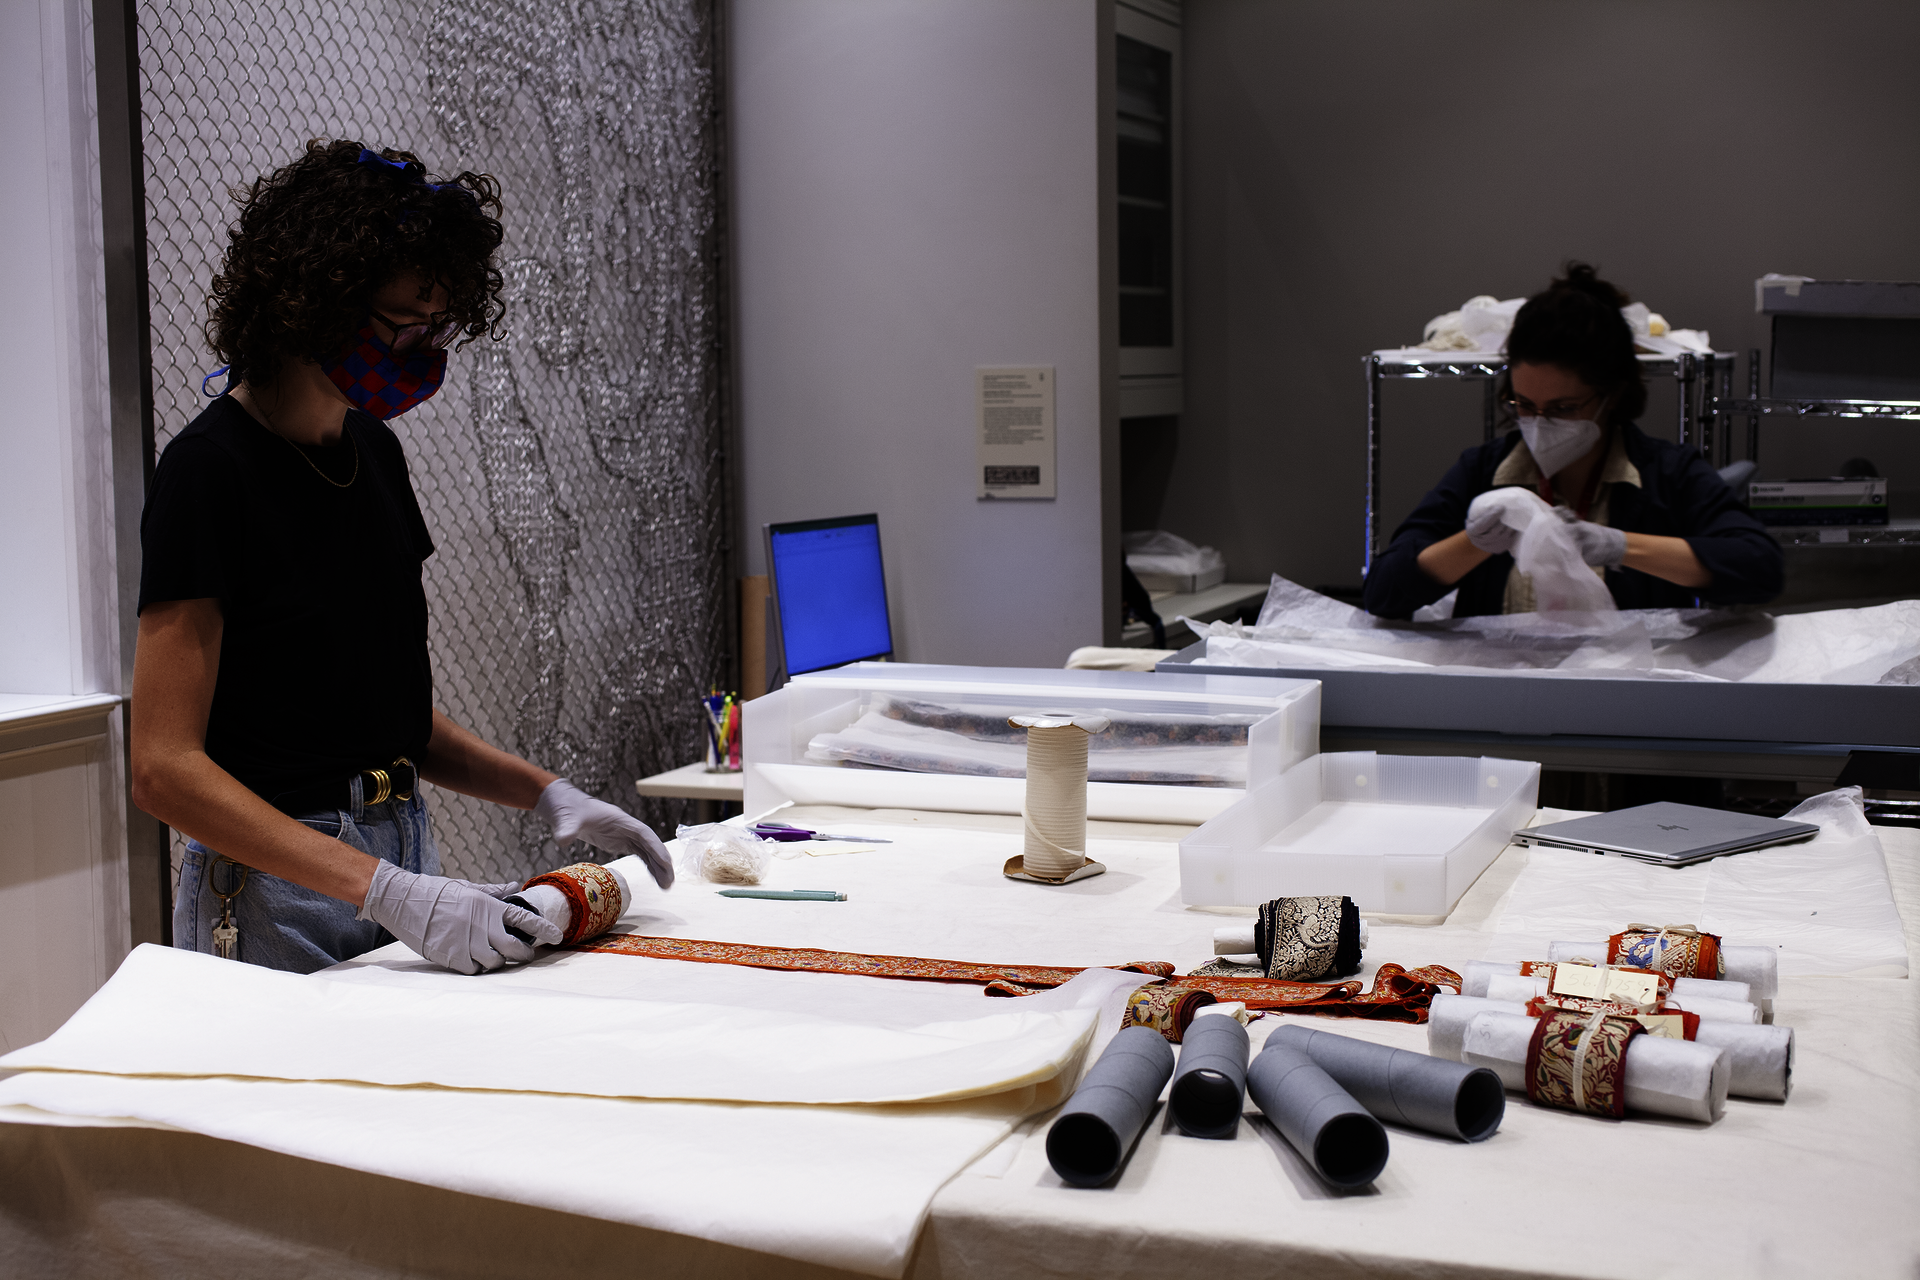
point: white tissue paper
(1302, 628)
(1167, 561)
(1546, 552)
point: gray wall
(1355, 167)
(915, 193)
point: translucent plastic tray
(779, 728)
(1401, 835)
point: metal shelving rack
(1693, 375)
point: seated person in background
(1654, 518)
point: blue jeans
(283, 926)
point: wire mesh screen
(572, 474)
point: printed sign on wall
(1015, 424)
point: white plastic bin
(779, 727)
(1404, 835)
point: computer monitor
(828, 593)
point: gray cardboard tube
(1211, 1082)
(1339, 1137)
(1413, 1089)
(1090, 1138)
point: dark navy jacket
(1679, 496)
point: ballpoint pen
(786, 895)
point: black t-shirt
(323, 658)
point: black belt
(377, 786)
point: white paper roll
(1513, 986)
(1680, 1078)
(1738, 992)
(1478, 971)
(1735, 1011)
(1233, 940)
(1759, 1059)
(1448, 1016)
(1758, 967)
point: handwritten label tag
(1592, 983)
(1668, 1026)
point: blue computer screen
(832, 593)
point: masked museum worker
(1652, 517)
(283, 711)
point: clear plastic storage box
(900, 735)
(1402, 835)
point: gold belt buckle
(384, 783)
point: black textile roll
(1308, 939)
(1407, 1088)
(1211, 1081)
(1090, 1139)
(1337, 1135)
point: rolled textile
(1414, 1089)
(1477, 972)
(1166, 1010)
(1758, 967)
(584, 899)
(1238, 939)
(1714, 989)
(1210, 1084)
(1680, 1078)
(1340, 1138)
(1449, 1015)
(1090, 1138)
(1759, 1058)
(1516, 987)
(1734, 1011)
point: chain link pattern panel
(572, 475)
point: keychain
(226, 934)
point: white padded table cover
(1823, 1187)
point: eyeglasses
(411, 338)
(1525, 408)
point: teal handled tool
(786, 895)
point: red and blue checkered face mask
(381, 383)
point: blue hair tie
(215, 395)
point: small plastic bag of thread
(725, 854)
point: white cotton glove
(1600, 546)
(1487, 531)
(451, 922)
(571, 813)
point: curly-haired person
(282, 693)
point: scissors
(783, 831)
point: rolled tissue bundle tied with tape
(1413, 1089)
(1055, 811)
(1514, 987)
(1210, 1084)
(1758, 967)
(1679, 1078)
(583, 900)
(1479, 973)
(1089, 1140)
(1341, 1139)
(1759, 1058)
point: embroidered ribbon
(1577, 1061)
(592, 892)
(1677, 950)
(1308, 939)
(1539, 1006)
(1398, 994)
(1168, 1010)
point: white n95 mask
(1554, 442)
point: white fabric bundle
(1518, 989)
(1546, 552)
(1759, 1059)
(1679, 1078)
(1758, 967)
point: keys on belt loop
(226, 934)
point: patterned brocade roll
(594, 899)
(1168, 1010)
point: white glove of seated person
(1600, 546)
(452, 923)
(572, 813)
(1487, 532)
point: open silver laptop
(1667, 833)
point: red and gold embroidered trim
(1578, 1061)
(1168, 1010)
(1677, 950)
(1651, 1019)
(592, 892)
(1020, 977)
